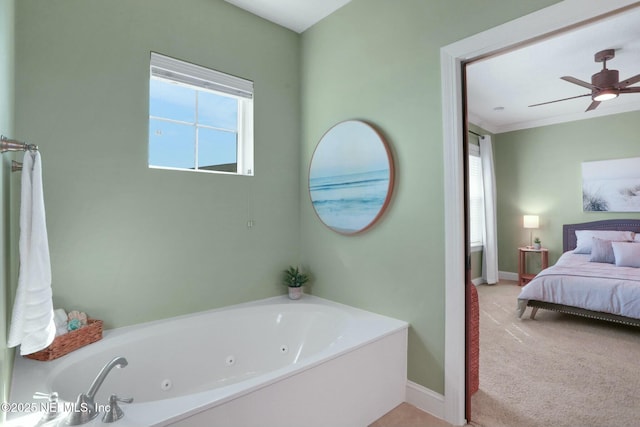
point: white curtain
(490, 255)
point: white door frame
(545, 22)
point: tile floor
(406, 415)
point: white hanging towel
(32, 323)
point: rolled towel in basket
(60, 319)
(60, 316)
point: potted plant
(536, 243)
(294, 279)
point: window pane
(217, 150)
(476, 201)
(192, 126)
(172, 101)
(171, 144)
(217, 111)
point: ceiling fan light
(605, 95)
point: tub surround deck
(270, 362)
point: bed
(579, 285)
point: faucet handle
(41, 395)
(52, 407)
(114, 413)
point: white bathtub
(272, 362)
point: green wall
(538, 171)
(7, 9)
(131, 244)
(379, 60)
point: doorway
(543, 23)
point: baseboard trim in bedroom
(502, 275)
(507, 275)
(425, 399)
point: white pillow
(627, 254)
(637, 238)
(585, 238)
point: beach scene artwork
(350, 177)
(611, 185)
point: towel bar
(13, 145)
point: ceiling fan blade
(629, 81)
(558, 100)
(592, 106)
(630, 90)
(578, 82)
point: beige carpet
(557, 370)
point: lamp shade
(530, 221)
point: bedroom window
(476, 198)
(199, 119)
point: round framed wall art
(351, 177)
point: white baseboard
(425, 399)
(507, 275)
(478, 281)
(503, 275)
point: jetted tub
(273, 362)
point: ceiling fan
(604, 85)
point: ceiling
(297, 15)
(501, 88)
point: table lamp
(530, 222)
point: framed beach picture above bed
(351, 177)
(611, 185)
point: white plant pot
(295, 293)
(536, 246)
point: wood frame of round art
(351, 177)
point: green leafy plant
(536, 240)
(294, 278)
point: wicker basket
(474, 341)
(70, 341)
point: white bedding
(577, 282)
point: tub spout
(119, 362)
(85, 407)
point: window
(199, 119)
(476, 198)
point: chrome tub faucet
(84, 409)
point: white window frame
(208, 80)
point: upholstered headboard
(569, 230)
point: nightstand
(523, 276)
